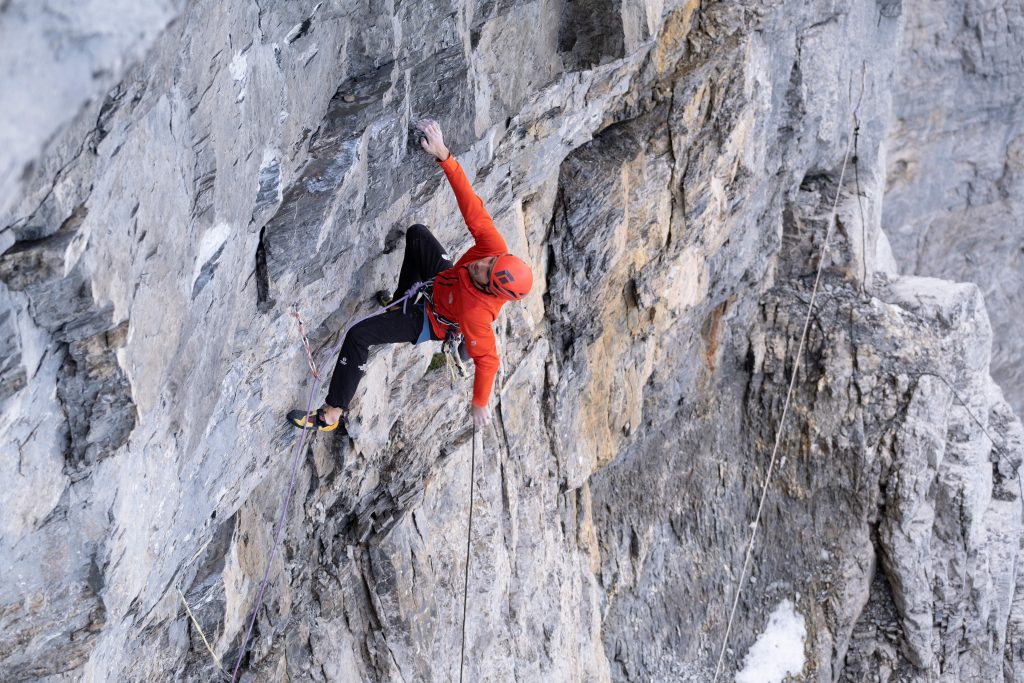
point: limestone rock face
(59, 61)
(958, 107)
(674, 172)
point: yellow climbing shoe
(302, 420)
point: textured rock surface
(58, 61)
(669, 170)
(959, 108)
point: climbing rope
(298, 450)
(469, 536)
(999, 448)
(305, 345)
(782, 421)
(202, 635)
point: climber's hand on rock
(433, 141)
(481, 416)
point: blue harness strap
(426, 333)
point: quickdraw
(453, 359)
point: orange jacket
(457, 299)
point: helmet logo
(504, 277)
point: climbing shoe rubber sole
(299, 418)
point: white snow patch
(212, 240)
(238, 66)
(779, 651)
(239, 72)
(270, 157)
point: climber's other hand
(481, 416)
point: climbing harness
(782, 421)
(413, 294)
(469, 537)
(453, 338)
(428, 294)
(317, 380)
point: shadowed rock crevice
(59, 301)
(876, 640)
(263, 301)
(591, 33)
(13, 374)
(92, 388)
(96, 399)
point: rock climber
(460, 299)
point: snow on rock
(779, 651)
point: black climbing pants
(424, 258)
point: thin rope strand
(996, 446)
(785, 411)
(469, 536)
(280, 532)
(305, 345)
(201, 634)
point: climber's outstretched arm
(489, 241)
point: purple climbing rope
(410, 295)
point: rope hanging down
(469, 536)
(785, 410)
(202, 635)
(317, 380)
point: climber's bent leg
(388, 328)
(424, 258)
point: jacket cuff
(448, 164)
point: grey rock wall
(955, 170)
(669, 171)
(59, 60)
